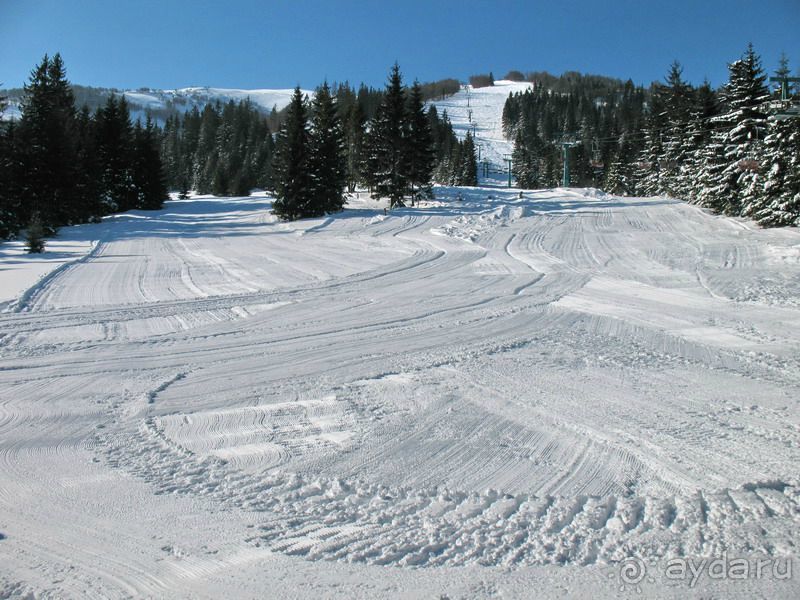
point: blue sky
(281, 43)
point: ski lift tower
(565, 146)
(508, 158)
(785, 81)
(786, 110)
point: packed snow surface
(483, 395)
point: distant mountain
(160, 104)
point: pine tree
(387, 156)
(354, 137)
(778, 204)
(446, 145)
(292, 180)
(9, 175)
(619, 179)
(6, 216)
(421, 150)
(148, 170)
(745, 123)
(34, 235)
(206, 157)
(266, 149)
(712, 189)
(782, 71)
(172, 151)
(114, 133)
(456, 164)
(676, 96)
(551, 166)
(648, 168)
(469, 162)
(705, 107)
(89, 172)
(326, 158)
(47, 146)
(526, 158)
(522, 165)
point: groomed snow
(475, 397)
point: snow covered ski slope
(488, 396)
(480, 111)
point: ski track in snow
(569, 378)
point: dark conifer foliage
(596, 111)
(10, 210)
(482, 80)
(88, 172)
(148, 173)
(290, 167)
(114, 142)
(731, 150)
(8, 213)
(439, 90)
(225, 150)
(527, 159)
(34, 235)
(327, 166)
(469, 163)
(60, 166)
(421, 150)
(779, 202)
(677, 98)
(46, 143)
(387, 159)
(355, 122)
(515, 75)
(406, 148)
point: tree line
(330, 146)
(225, 150)
(592, 110)
(732, 150)
(62, 166)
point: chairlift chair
(597, 160)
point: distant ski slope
(483, 108)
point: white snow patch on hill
(200, 96)
(480, 111)
(185, 99)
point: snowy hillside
(163, 102)
(187, 98)
(502, 394)
(479, 111)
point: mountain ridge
(160, 104)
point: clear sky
(281, 43)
